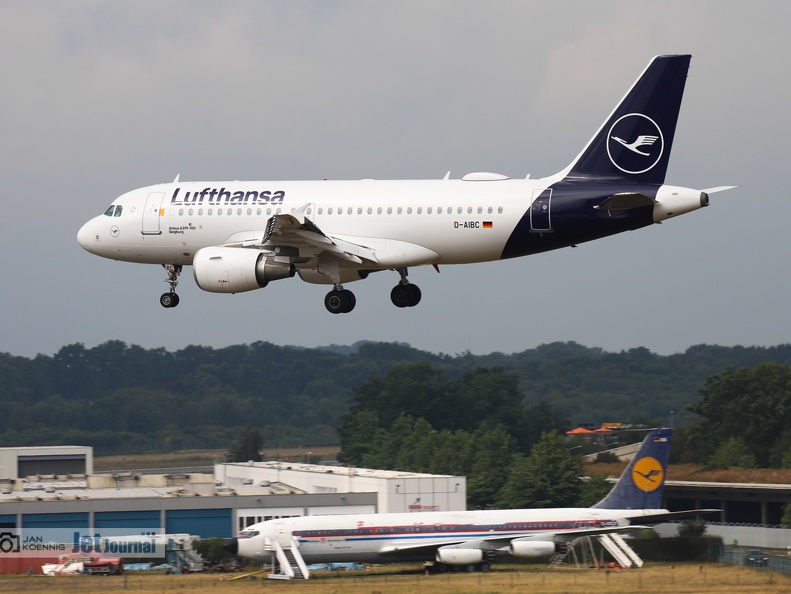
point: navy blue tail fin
(636, 139)
(642, 483)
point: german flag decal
(487, 224)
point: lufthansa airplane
(239, 236)
(472, 538)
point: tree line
(120, 397)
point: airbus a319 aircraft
(240, 236)
(472, 538)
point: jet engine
(452, 556)
(531, 548)
(235, 270)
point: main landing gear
(171, 299)
(404, 294)
(340, 300)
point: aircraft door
(151, 213)
(540, 215)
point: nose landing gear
(171, 299)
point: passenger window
(489, 210)
(439, 210)
(200, 212)
(249, 211)
(428, 210)
(389, 210)
(370, 210)
(349, 210)
(181, 212)
(419, 210)
(499, 210)
(189, 212)
(379, 210)
(459, 210)
(409, 210)
(329, 210)
(230, 211)
(480, 210)
(359, 210)
(399, 210)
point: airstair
(614, 543)
(290, 564)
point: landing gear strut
(405, 294)
(340, 300)
(171, 299)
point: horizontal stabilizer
(718, 189)
(625, 201)
(662, 517)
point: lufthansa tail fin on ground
(642, 483)
(635, 141)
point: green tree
(493, 451)
(753, 404)
(248, 444)
(594, 490)
(732, 452)
(549, 477)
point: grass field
(656, 578)
(205, 458)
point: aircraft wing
(495, 542)
(296, 237)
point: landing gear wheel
(340, 301)
(406, 295)
(169, 300)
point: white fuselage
(454, 221)
(379, 537)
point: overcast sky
(101, 97)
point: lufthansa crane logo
(635, 143)
(648, 474)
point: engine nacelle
(531, 548)
(312, 275)
(459, 556)
(672, 201)
(235, 270)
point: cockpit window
(249, 533)
(118, 210)
(109, 212)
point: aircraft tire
(340, 301)
(169, 300)
(407, 295)
(415, 296)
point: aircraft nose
(232, 546)
(87, 236)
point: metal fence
(779, 563)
